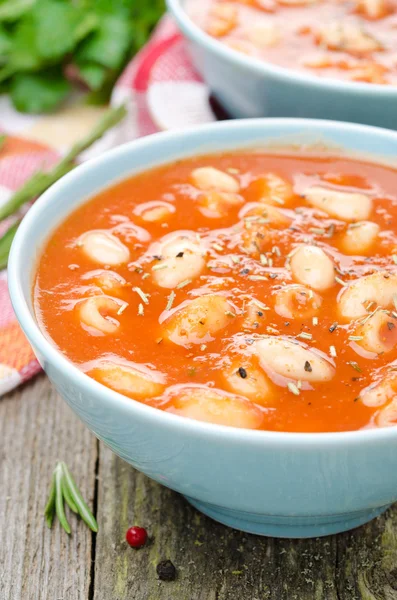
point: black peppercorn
(166, 570)
(242, 372)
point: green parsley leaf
(109, 44)
(39, 92)
(12, 10)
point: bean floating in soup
(244, 289)
(344, 39)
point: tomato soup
(247, 289)
(344, 39)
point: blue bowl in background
(248, 87)
(269, 483)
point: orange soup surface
(247, 289)
(344, 39)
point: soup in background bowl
(344, 39)
(225, 297)
(332, 60)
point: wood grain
(216, 563)
(36, 429)
(213, 562)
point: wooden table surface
(213, 562)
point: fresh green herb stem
(111, 118)
(5, 244)
(41, 181)
(49, 510)
(59, 504)
(82, 507)
(64, 489)
(68, 497)
(35, 186)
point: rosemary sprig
(5, 244)
(41, 181)
(64, 489)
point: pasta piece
(293, 360)
(373, 9)
(387, 417)
(384, 396)
(256, 238)
(196, 321)
(270, 189)
(347, 37)
(267, 213)
(216, 406)
(133, 382)
(378, 288)
(209, 178)
(217, 204)
(264, 35)
(348, 206)
(297, 2)
(223, 19)
(155, 212)
(104, 248)
(99, 312)
(360, 238)
(379, 333)
(246, 379)
(296, 301)
(312, 267)
(183, 259)
(108, 281)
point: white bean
(130, 381)
(312, 267)
(209, 178)
(196, 321)
(379, 288)
(217, 406)
(348, 206)
(184, 259)
(264, 35)
(296, 301)
(387, 417)
(360, 238)
(380, 393)
(99, 312)
(293, 360)
(246, 379)
(348, 37)
(104, 248)
(379, 333)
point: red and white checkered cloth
(162, 91)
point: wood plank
(36, 429)
(216, 563)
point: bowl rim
(262, 67)
(50, 352)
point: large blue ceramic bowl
(249, 87)
(278, 484)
